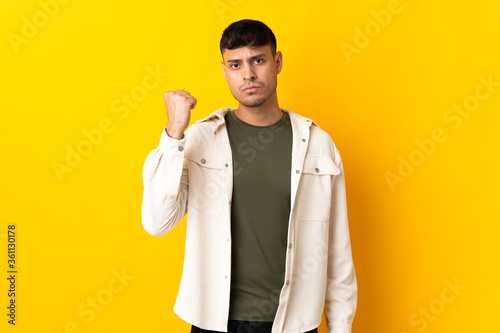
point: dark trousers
(239, 326)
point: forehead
(246, 52)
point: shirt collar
(219, 114)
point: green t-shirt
(260, 211)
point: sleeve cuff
(339, 328)
(170, 144)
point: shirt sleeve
(341, 288)
(165, 179)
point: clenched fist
(179, 105)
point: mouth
(250, 89)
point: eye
(259, 59)
(231, 66)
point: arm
(341, 288)
(165, 179)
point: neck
(265, 114)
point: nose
(248, 73)
(249, 76)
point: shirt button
(287, 282)
(181, 148)
(227, 165)
(290, 245)
(297, 171)
(228, 239)
(203, 161)
(303, 140)
(225, 276)
(317, 170)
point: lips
(250, 89)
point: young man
(267, 240)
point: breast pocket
(206, 180)
(314, 192)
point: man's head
(248, 50)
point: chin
(252, 105)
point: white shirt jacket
(194, 175)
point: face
(252, 67)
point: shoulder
(318, 137)
(200, 134)
(321, 142)
(202, 131)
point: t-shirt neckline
(272, 126)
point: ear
(223, 69)
(278, 59)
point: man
(267, 239)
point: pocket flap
(320, 165)
(204, 156)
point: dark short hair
(247, 33)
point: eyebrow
(254, 57)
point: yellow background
(410, 240)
